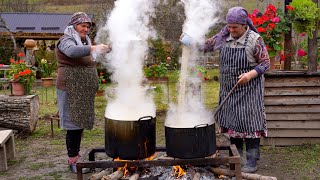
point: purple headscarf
(78, 18)
(236, 15)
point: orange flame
(124, 169)
(150, 158)
(178, 171)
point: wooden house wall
(292, 104)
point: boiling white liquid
(189, 111)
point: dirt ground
(45, 158)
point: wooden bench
(7, 148)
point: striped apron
(244, 110)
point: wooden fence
(292, 101)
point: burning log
(114, 176)
(247, 176)
(99, 175)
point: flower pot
(100, 92)
(18, 89)
(30, 43)
(157, 79)
(47, 82)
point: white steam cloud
(128, 28)
(190, 111)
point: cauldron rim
(197, 126)
(152, 117)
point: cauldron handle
(201, 125)
(144, 118)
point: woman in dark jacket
(77, 82)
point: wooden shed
(292, 101)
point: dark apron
(244, 110)
(82, 85)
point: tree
(19, 5)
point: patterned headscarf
(236, 15)
(78, 18)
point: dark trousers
(252, 149)
(73, 140)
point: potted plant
(304, 15)
(200, 72)
(22, 76)
(46, 69)
(156, 72)
(271, 25)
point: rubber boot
(252, 151)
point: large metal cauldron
(188, 143)
(130, 139)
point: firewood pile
(170, 172)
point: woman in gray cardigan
(77, 82)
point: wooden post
(288, 44)
(313, 49)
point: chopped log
(248, 176)
(99, 175)
(114, 176)
(196, 176)
(135, 176)
(19, 112)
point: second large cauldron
(188, 143)
(130, 140)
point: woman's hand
(101, 48)
(246, 77)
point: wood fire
(178, 171)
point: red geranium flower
(261, 29)
(22, 73)
(303, 34)
(270, 25)
(290, 8)
(27, 71)
(282, 57)
(16, 76)
(302, 52)
(20, 54)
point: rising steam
(128, 30)
(190, 111)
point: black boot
(252, 151)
